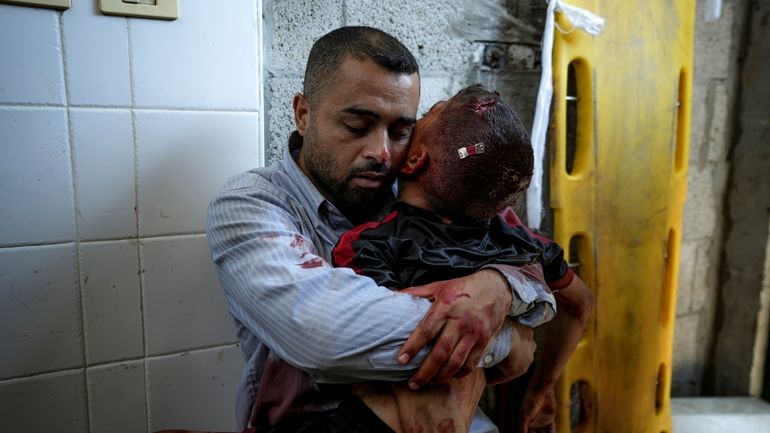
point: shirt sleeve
(338, 326)
(557, 272)
(532, 303)
(373, 258)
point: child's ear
(416, 161)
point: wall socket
(157, 9)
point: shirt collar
(305, 188)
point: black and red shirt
(412, 247)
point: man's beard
(356, 203)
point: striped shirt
(271, 234)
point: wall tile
(111, 300)
(103, 145)
(96, 48)
(30, 56)
(35, 175)
(183, 159)
(214, 57)
(184, 306)
(116, 396)
(40, 325)
(48, 403)
(194, 390)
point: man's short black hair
(359, 42)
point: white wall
(114, 135)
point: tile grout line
(139, 261)
(261, 120)
(33, 105)
(116, 363)
(99, 240)
(207, 110)
(76, 212)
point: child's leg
(380, 398)
(446, 408)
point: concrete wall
(715, 88)
(114, 135)
(747, 213)
(441, 34)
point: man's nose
(378, 147)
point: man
(308, 329)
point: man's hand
(538, 411)
(466, 312)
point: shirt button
(488, 360)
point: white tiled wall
(115, 134)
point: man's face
(356, 134)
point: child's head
(470, 155)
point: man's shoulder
(270, 180)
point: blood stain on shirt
(312, 263)
(297, 242)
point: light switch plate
(158, 9)
(56, 4)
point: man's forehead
(373, 93)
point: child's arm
(518, 360)
(575, 303)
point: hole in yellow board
(572, 118)
(578, 118)
(666, 297)
(681, 130)
(576, 245)
(581, 404)
(660, 389)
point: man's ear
(416, 160)
(301, 113)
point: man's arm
(338, 326)
(375, 249)
(575, 303)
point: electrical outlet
(56, 4)
(158, 9)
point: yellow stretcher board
(619, 140)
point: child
(469, 160)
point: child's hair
(485, 182)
